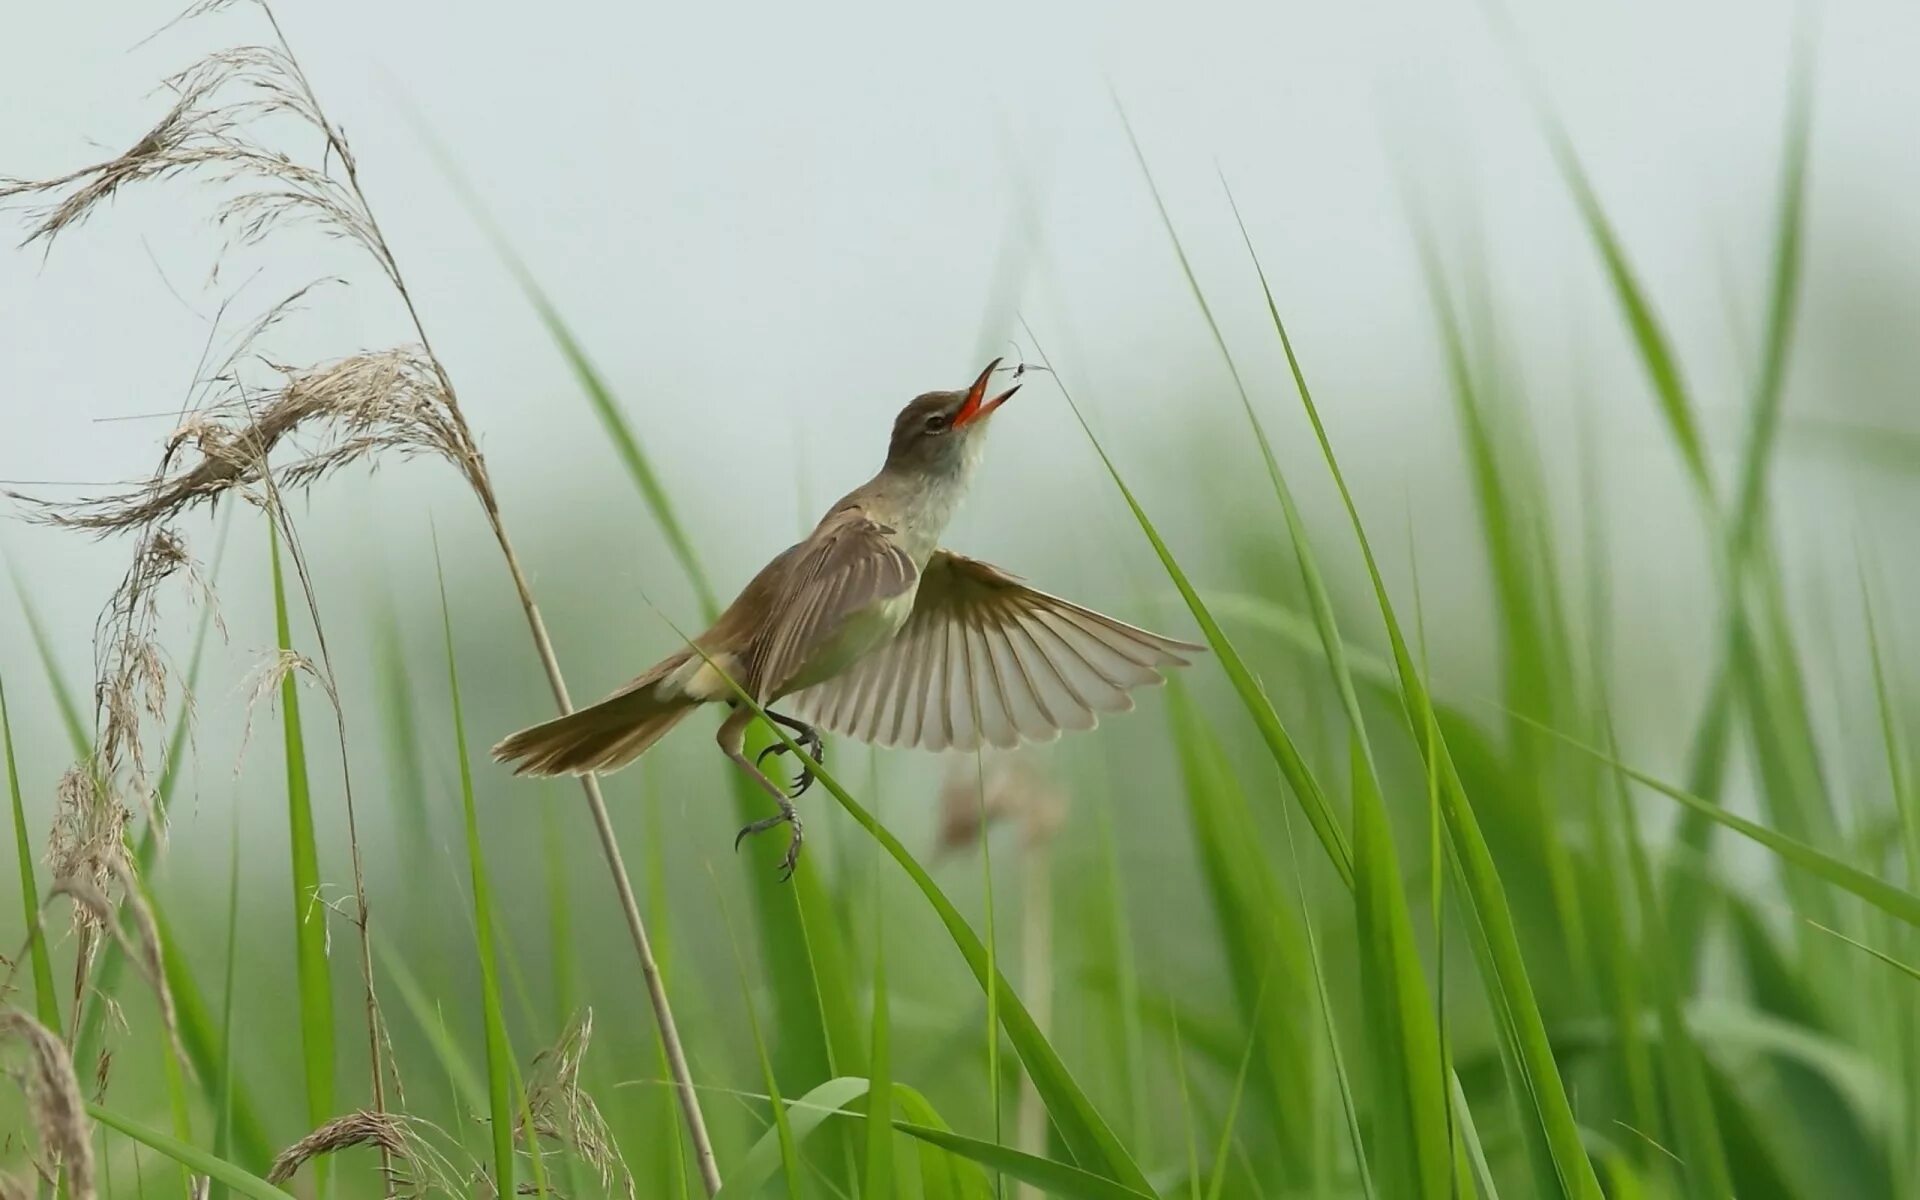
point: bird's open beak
(975, 408)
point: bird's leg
(732, 737)
(808, 739)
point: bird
(870, 629)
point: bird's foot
(788, 816)
(808, 740)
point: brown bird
(875, 632)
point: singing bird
(870, 629)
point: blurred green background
(1617, 372)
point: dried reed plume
(54, 1101)
(1011, 790)
(385, 402)
(142, 946)
(561, 1109)
(96, 798)
(357, 409)
(415, 1167)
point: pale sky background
(772, 224)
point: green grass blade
(191, 1157)
(500, 1064)
(1293, 767)
(223, 1094)
(1894, 901)
(1264, 949)
(879, 1174)
(1087, 1136)
(1749, 506)
(468, 1087)
(1246, 403)
(793, 1125)
(400, 728)
(1412, 1131)
(1907, 969)
(1650, 339)
(1056, 1179)
(309, 910)
(1687, 1091)
(1222, 1156)
(46, 1001)
(79, 733)
(995, 1098)
(785, 1143)
(1085, 1132)
(1343, 1082)
(1506, 981)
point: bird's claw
(786, 816)
(804, 780)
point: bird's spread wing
(839, 571)
(985, 659)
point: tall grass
(1275, 1012)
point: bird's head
(940, 433)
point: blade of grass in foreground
(1691, 1102)
(191, 1157)
(1264, 948)
(782, 1130)
(1343, 859)
(223, 1095)
(500, 1065)
(1408, 1083)
(46, 1000)
(309, 910)
(836, 1097)
(880, 1168)
(1412, 1131)
(70, 717)
(1507, 982)
(1280, 743)
(1086, 1134)
(1894, 901)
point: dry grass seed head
(206, 133)
(54, 1100)
(1011, 790)
(351, 410)
(142, 946)
(419, 1168)
(563, 1110)
(87, 847)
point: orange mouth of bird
(976, 407)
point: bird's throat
(918, 507)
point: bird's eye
(937, 423)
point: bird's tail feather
(601, 737)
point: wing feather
(985, 660)
(841, 570)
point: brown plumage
(878, 634)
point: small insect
(1023, 366)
